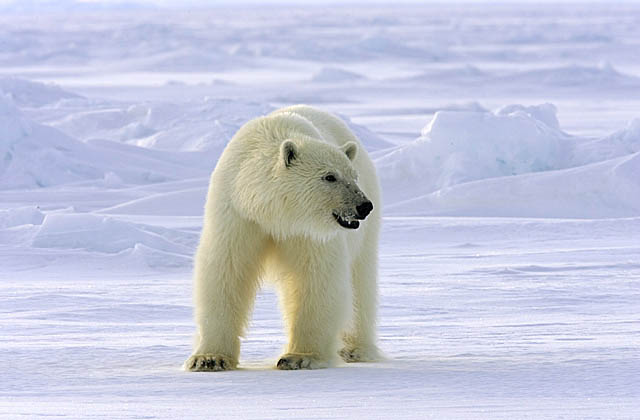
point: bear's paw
(353, 354)
(209, 363)
(292, 361)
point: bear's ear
(350, 149)
(288, 152)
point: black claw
(208, 364)
(282, 362)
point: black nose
(364, 209)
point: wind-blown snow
(474, 163)
(333, 75)
(34, 155)
(19, 216)
(81, 231)
(205, 125)
(507, 141)
(32, 94)
(599, 190)
(458, 146)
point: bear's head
(318, 189)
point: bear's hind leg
(360, 339)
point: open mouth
(346, 223)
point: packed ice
(507, 141)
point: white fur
(266, 218)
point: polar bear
(287, 202)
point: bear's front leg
(225, 285)
(316, 298)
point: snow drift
(97, 233)
(186, 202)
(574, 76)
(204, 125)
(336, 75)
(33, 155)
(598, 190)
(26, 93)
(566, 78)
(19, 216)
(462, 146)
(512, 162)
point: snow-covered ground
(507, 138)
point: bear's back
(332, 129)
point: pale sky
(181, 3)
(41, 6)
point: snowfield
(507, 140)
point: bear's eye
(330, 178)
